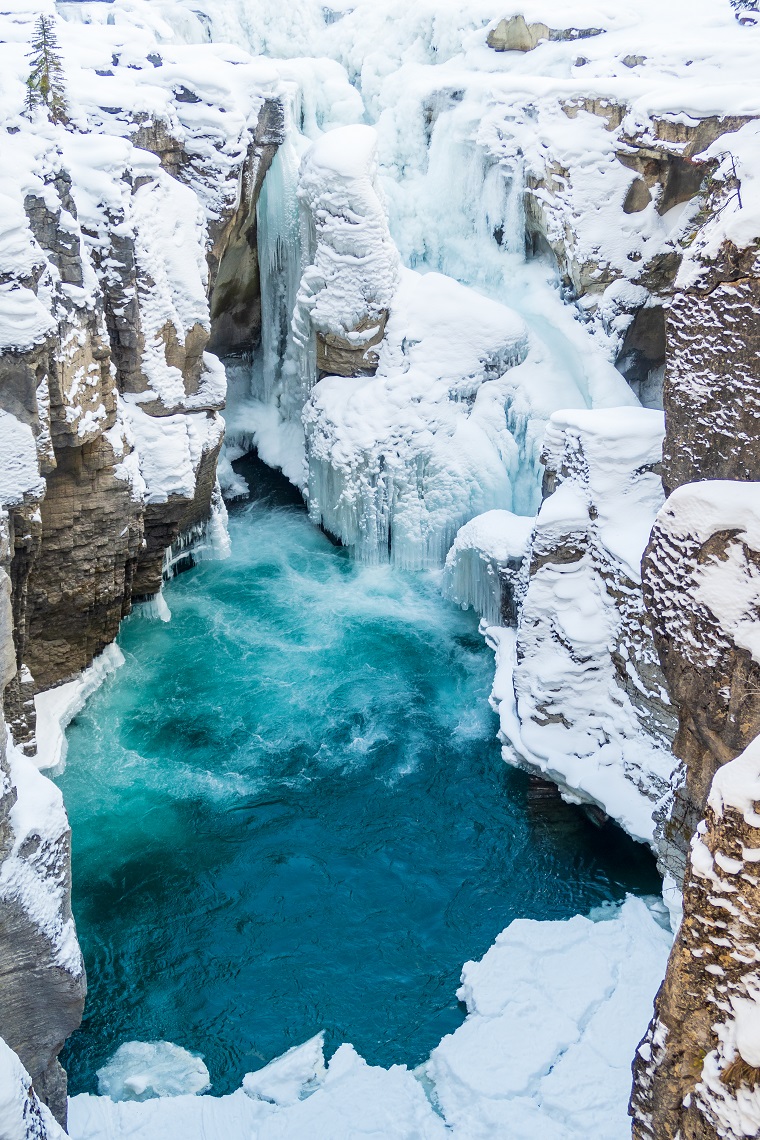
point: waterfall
(514, 211)
(279, 238)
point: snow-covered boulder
(591, 705)
(346, 291)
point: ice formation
(143, 1070)
(483, 565)
(554, 1013)
(56, 708)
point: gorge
(481, 284)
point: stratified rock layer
(697, 1071)
(109, 428)
(700, 574)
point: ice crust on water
(143, 1070)
(284, 1080)
(555, 1010)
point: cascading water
(290, 813)
(279, 244)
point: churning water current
(290, 812)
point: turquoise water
(290, 813)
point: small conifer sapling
(45, 85)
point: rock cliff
(123, 226)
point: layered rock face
(109, 423)
(697, 1071)
(117, 233)
(701, 572)
(42, 980)
(702, 586)
(713, 328)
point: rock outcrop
(515, 34)
(701, 572)
(345, 293)
(109, 427)
(697, 1071)
(42, 980)
(588, 707)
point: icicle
(201, 542)
(153, 609)
(279, 240)
(484, 566)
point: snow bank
(555, 1010)
(622, 449)
(737, 785)
(19, 472)
(22, 1115)
(170, 449)
(700, 510)
(34, 873)
(56, 708)
(579, 692)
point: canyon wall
(122, 230)
(696, 1071)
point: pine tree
(45, 85)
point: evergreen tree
(45, 85)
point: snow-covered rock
(702, 589)
(346, 291)
(578, 688)
(696, 1070)
(22, 1115)
(483, 567)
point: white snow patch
(284, 1080)
(19, 469)
(737, 785)
(56, 708)
(555, 1010)
(22, 1115)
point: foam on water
(290, 813)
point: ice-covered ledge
(554, 1013)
